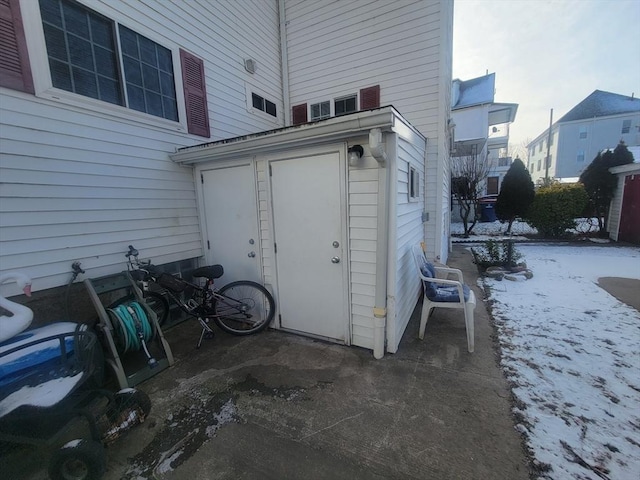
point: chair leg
(468, 319)
(424, 317)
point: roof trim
(332, 129)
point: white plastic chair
(444, 290)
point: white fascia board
(628, 168)
(333, 129)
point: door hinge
(270, 171)
(202, 178)
(275, 248)
(208, 245)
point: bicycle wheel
(156, 301)
(243, 308)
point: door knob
(335, 260)
(251, 254)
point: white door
(229, 196)
(310, 239)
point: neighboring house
(481, 128)
(97, 95)
(624, 212)
(599, 121)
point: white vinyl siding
(73, 191)
(363, 224)
(409, 231)
(81, 181)
(336, 48)
(266, 239)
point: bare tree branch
(468, 176)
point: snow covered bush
(496, 254)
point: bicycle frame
(202, 304)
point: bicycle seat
(210, 272)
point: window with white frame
(320, 111)
(345, 105)
(626, 126)
(90, 55)
(583, 133)
(414, 184)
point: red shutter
(195, 94)
(370, 97)
(15, 71)
(299, 114)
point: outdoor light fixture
(354, 154)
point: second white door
(310, 241)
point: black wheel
(156, 301)
(78, 460)
(244, 308)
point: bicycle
(243, 307)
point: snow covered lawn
(572, 354)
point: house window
(264, 105)
(539, 164)
(345, 105)
(84, 59)
(580, 157)
(548, 161)
(626, 126)
(320, 111)
(551, 139)
(492, 185)
(504, 161)
(414, 184)
(583, 132)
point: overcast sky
(548, 53)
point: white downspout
(284, 63)
(376, 147)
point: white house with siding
(600, 120)
(96, 96)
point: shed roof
(602, 104)
(332, 129)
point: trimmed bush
(555, 207)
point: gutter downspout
(380, 307)
(284, 63)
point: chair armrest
(454, 271)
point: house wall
(82, 179)
(602, 133)
(408, 232)
(538, 153)
(337, 48)
(364, 214)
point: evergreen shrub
(555, 208)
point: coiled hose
(132, 326)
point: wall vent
(250, 65)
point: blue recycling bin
(487, 209)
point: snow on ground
(571, 352)
(519, 230)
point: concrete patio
(279, 406)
